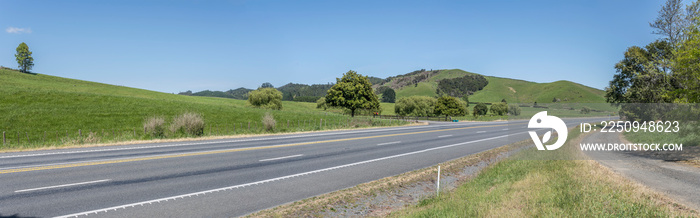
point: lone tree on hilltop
(353, 92)
(24, 58)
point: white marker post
(438, 182)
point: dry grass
(269, 122)
(189, 123)
(155, 127)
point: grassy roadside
(525, 186)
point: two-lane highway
(231, 177)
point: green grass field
(41, 110)
(523, 186)
(512, 90)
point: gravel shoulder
(673, 178)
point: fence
(36, 138)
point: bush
(269, 121)
(585, 110)
(269, 98)
(321, 103)
(450, 106)
(499, 108)
(514, 110)
(188, 123)
(155, 127)
(480, 109)
(415, 106)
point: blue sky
(173, 46)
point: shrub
(188, 123)
(155, 127)
(321, 103)
(415, 106)
(585, 110)
(499, 108)
(269, 98)
(480, 109)
(389, 95)
(269, 121)
(514, 110)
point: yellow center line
(60, 166)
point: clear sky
(174, 46)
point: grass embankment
(550, 184)
(688, 135)
(41, 110)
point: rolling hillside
(39, 107)
(510, 89)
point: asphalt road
(231, 177)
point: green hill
(502, 88)
(42, 107)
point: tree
(499, 108)
(24, 58)
(266, 98)
(353, 91)
(389, 95)
(267, 85)
(670, 22)
(641, 76)
(480, 109)
(686, 70)
(450, 106)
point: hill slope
(502, 88)
(33, 104)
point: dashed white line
(505, 129)
(280, 158)
(444, 136)
(273, 179)
(61, 186)
(481, 132)
(389, 143)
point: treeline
(461, 86)
(239, 93)
(303, 92)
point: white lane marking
(229, 141)
(481, 132)
(444, 136)
(505, 129)
(280, 158)
(273, 179)
(61, 186)
(389, 143)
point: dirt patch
(512, 89)
(381, 197)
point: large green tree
(450, 106)
(24, 58)
(642, 75)
(389, 95)
(353, 91)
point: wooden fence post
(3, 137)
(80, 133)
(248, 125)
(287, 124)
(28, 142)
(320, 123)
